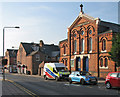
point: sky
(47, 21)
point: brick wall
(29, 64)
(64, 52)
(35, 62)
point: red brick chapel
(87, 45)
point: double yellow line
(24, 89)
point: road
(38, 86)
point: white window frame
(90, 42)
(83, 45)
(37, 56)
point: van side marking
(50, 72)
(46, 73)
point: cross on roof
(81, 7)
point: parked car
(83, 77)
(113, 80)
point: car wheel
(45, 77)
(70, 81)
(108, 85)
(95, 83)
(56, 78)
(82, 81)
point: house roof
(106, 26)
(12, 52)
(28, 47)
(55, 53)
(32, 53)
(46, 48)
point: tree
(115, 50)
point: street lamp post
(4, 45)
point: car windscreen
(61, 69)
(84, 73)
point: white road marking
(72, 85)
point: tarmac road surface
(37, 86)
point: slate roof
(106, 26)
(32, 53)
(12, 52)
(28, 47)
(46, 48)
(55, 53)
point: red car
(113, 80)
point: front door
(78, 68)
(85, 64)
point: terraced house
(11, 56)
(87, 46)
(31, 55)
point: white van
(55, 71)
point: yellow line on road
(23, 88)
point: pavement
(9, 88)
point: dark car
(83, 77)
(113, 80)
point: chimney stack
(41, 43)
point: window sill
(103, 67)
(75, 52)
(103, 51)
(64, 54)
(82, 52)
(90, 51)
(37, 60)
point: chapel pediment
(83, 19)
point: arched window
(106, 62)
(82, 45)
(104, 44)
(62, 61)
(101, 62)
(64, 49)
(65, 62)
(82, 32)
(75, 46)
(75, 35)
(90, 44)
(90, 31)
